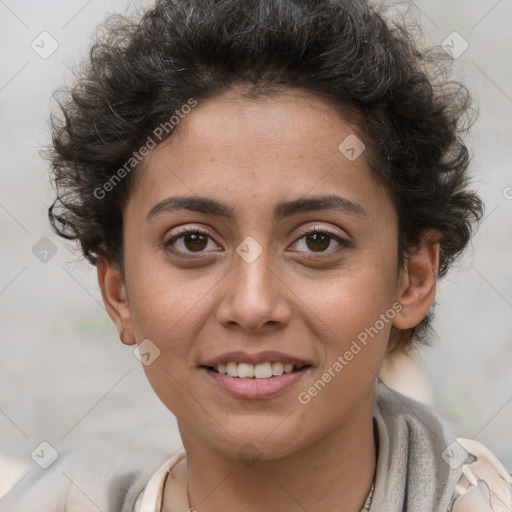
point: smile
(255, 371)
(247, 384)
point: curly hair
(141, 72)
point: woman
(269, 191)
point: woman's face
(296, 258)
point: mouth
(266, 370)
(257, 380)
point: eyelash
(315, 230)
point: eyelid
(180, 230)
(316, 228)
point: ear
(113, 291)
(417, 282)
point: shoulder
(36, 488)
(443, 472)
(398, 410)
(485, 485)
(113, 487)
(411, 471)
(110, 483)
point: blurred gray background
(66, 379)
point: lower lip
(256, 388)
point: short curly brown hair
(141, 72)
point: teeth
(277, 368)
(258, 371)
(263, 371)
(245, 370)
(232, 369)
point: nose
(254, 296)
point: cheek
(352, 314)
(164, 300)
(354, 322)
(355, 296)
(165, 310)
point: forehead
(285, 119)
(258, 150)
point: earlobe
(113, 291)
(417, 283)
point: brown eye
(318, 241)
(190, 241)
(195, 241)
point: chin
(253, 440)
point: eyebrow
(284, 209)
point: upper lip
(268, 356)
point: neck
(334, 472)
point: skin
(307, 300)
